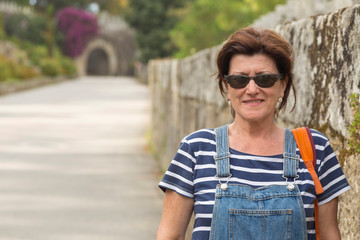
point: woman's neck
(263, 129)
(256, 138)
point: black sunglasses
(262, 80)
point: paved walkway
(73, 163)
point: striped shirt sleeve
(179, 176)
(329, 170)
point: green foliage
(35, 52)
(35, 34)
(50, 67)
(354, 127)
(153, 21)
(68, 67)
(26, 27)
(113, 6)
(5, 72)
(206, 23)
(10, 70)
(49, 32)
(2, 28)
(57, 65)
(180, 28)
(38, 56)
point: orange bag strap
(306, 146)
(316, 210)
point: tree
(113, 6)
(152, 21)
(206, 23)
(49, 33)
(24, 26)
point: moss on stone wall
(354, 127)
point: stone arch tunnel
(98, 58)
(97, 63)
(111, 53)
(104, 56)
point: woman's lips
(253, 102)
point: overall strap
(291, 160)
(222, 158)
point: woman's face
(253, 103)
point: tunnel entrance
(97, 63)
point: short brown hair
(249, 41)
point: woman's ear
(284, 83)
(226, 87)
(225, 83)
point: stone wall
(116, 31)
(298, 9)
(185, 95)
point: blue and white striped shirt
(192, 174)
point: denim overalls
(272, 212)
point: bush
(23, 72)
(10, 70)
(68, 66)
(5, 72)
(35, 52)
(50, 67)
(78, 27)
(38, 56)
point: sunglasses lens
(237, 81)
(263, 80)
(266, 80)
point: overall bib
(272, 212)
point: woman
(235, 178)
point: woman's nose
(251, 87)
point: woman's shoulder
(200, 140)
(321, 141)
(205, 133)
(318, 137)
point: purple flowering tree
(78, 27)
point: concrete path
(74, 165)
